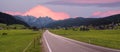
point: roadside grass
(17, 40)
(106, 38)
(36, 44)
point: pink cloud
(42, 11)
(106, 13)
(13, 13)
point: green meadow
(20, 41)
(106, 38)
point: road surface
(55, 43)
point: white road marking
(47, 44)
(57, 36)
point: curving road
(55, 43)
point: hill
(79, 21)
(9, 19)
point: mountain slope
(9, 19)
(85, 21)
(35, 22)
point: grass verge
(35, 44)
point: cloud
(14, 13)
(42, 11)
(106, 13)
(103, 3)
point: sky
(61, 9)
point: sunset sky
(61, 9)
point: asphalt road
(55, 43)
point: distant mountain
(28, 19)
(43, 21)
(113, 19)
(35, 22)
(9, 19)
(85, 21)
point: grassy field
(106, 38)
(18, 40)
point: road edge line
(47, 44)
(73, 40)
